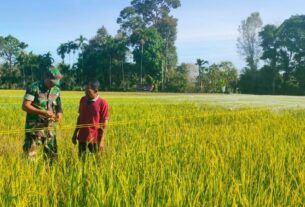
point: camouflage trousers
(45, 137)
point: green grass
(165, 150)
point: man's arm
(104, 117)
(58, 116)
(28, 100)
(74, 138)
(102, 135)
(29, 108)
(58, 109)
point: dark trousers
(82, 148)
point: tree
(121, 51)
(270, 46)
(291, 52)
(248, 44)
(111, 50)
(152, 56)
(145, 14)
(229, 76)
(61, 51)
(100, 38)
(212, 79)
(81, 42)
(153, 14)
(201, 69)
(71, 47)
(167, 27)
(95, 58)
(104, 58)
(10, 49)
(283, 54)
(179, 79)
(45, 61)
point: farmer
(92, 121)
(43, 106)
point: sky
(207, 29)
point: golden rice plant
(161, 150)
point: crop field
(164, 150)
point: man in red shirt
(92, 121)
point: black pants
(82, 148)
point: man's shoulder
(31, 91)
(82, 100)
(34, 85)
(103, 103)
(102, 100)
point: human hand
(101, 147)
(58, 117)
(49, 114)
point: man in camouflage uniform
(43, 106)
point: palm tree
(121, 50)
(111, 49)
(81, 41)
(201, 69)
(23, 45)
(74, 48)
(48, 59)
(71, 47)
(61, 51)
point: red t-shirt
(91, 112)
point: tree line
(281, 51)
(142, 56)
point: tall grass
(162, 152)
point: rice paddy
(164, 150)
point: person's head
(52, 77)
(91, 88)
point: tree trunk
(110, 81)
(123, 75)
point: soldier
(43, 106)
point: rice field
(164, 150)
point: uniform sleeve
(58, 107)
(30, 93)
(104, 113)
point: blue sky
(206, 29)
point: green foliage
(10, 48)
(153, 14)
(152, 53)
(248, 43)
(291, 37)
(201, 69)
(178, 79)
(283, 53)
(105, 59)
(217, 77)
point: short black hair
(94, 84)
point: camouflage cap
(54, 75)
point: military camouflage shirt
(43, 99)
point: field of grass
(164, 150)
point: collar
(95, 99)
(43, 86)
